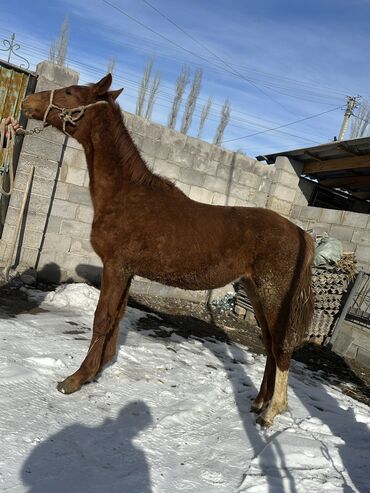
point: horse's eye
(68, 92)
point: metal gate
(15, 84)
(360, 307)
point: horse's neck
(112, 157)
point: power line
(282, 126)
(165, 96)
(242, 120)
(233, 71)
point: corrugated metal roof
(339, 165)
(331, 150)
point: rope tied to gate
(6, 155)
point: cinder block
(363, 357)
(286, 164)
(361, 236)
(354, 219)
(44, 168)
(62, 190)
(228, 173)
(75, 229)
(75, 157)
(56, 242)
(312, 213)
(40, 147)
(280, 206)
(319, 228)
(259, 199)
(169, 170)
(79, 195)
(75, 176)
(201, 195)
(150, 147)
(219, 199)
(215, 184)
(58, 74)
(85, 214)
(282, 192)
(239, 192)
(81, 247)
(363, 254)
(184, 187)
(249, 179)
(341, 232)
(54, 224)
(295, 211)
(63, 208)
(331, 216)
(191, 176)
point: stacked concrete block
(285, 185)
(351, 228)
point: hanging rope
(6, 156)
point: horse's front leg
(113, 293)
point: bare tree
(225, 118)
(153, 95)
(360, 124)
(191, 101)
(59, 47)
(144, 87)
(181, 83)
(52, 51)
(204, 115)
(111, 65)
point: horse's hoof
(256, 407)
(265, 423)
(68, 386)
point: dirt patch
(195, 320)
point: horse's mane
(135, 166)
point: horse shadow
(233, 360)
(93, 459)
(341, 422)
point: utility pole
(351, 105)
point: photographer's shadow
(93, 459)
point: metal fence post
(331, 342)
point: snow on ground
(171, 415)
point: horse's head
(63, 108)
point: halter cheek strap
(68, 115)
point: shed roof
(341, 165)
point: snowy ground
(171, 415)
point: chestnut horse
(144, 225)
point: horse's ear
(115, 94)
(103, 85)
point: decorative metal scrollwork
(11, 47)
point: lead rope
(6, 157)
(68, 115)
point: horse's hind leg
(267, 386)
(279, 401)
(113, 294)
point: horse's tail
(302, 303)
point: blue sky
(278, 61)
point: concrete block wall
(45, 152)
(352, 228)
(204, 172)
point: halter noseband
(67, 114)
